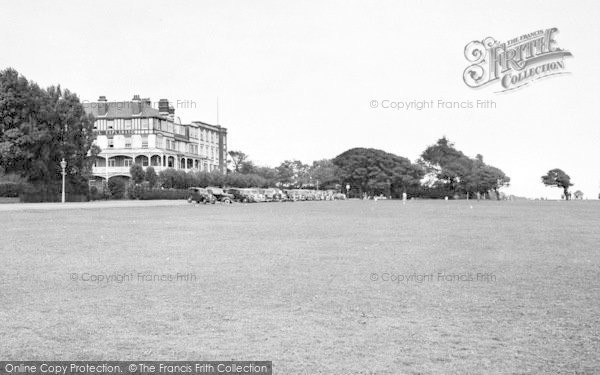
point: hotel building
(135, 132)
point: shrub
(97, 194)
(51, 192)
(148, 194)
(135, 191)
(137, 173)
(151, 177)
(167, 178)
(11, 189)
(116, 185)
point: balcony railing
(122, 170)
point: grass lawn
(293, 283)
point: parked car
(263, 192)
(294, 195)
(256, 195)
(242, 195)
(201, 195)
(221, 195)
(280, 196)
(238, 194)
(271, 195)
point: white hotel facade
(135, 132)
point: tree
(292, 173)
(499, 180)
(578, 194)
(324, 173)
(238, 158)
(247, 167)
(268, 174)
(556, 177)
(450, 169)
(376, 171)
(151, 177)
(484, 178)
(137, 173)
(39, 128)
(447, 164)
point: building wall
(118, 138)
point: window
(127, 142)
(127, 125)
(110, 124)
(145, 123)
(144, 141)
(171, 144)
(127, 162)
(111, 162)
(111, 143)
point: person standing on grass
(404, 198)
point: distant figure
(404, 198)
(478, 196)
(446, 198)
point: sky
(297, 80)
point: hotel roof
(126, 109)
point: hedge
(10, 189)
(164, 194)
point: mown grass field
(293, 283)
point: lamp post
(63, 165)
(348, 190)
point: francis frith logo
(514, 63)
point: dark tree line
(38, 128)
(442, 170)
(375, 172)
(451, 170)
(290, 174)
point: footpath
(90, 205)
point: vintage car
(293, 195)
(271, 195)
(256, 195)
(241, 195)
(280, 196)
(200, 195)
(220, 195)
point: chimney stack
(163, 107)
(102, 106)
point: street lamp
(63, 165)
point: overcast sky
(295, 80)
